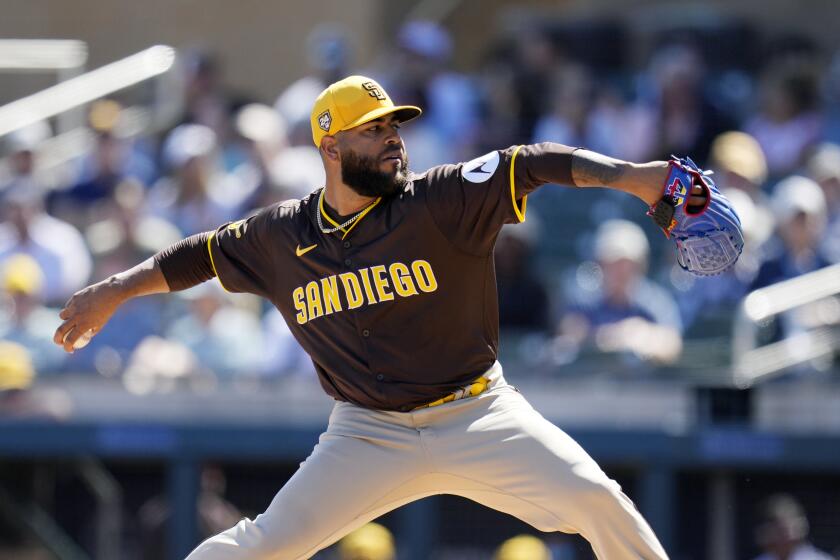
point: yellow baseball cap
(353, 101)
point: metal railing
(752, 362)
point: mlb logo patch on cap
(325, 121)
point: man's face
(373, 158)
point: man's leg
(519, 463)
(363, 466)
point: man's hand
(87, 312)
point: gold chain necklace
(342, 226)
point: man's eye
(374, 128)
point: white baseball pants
(494, 449)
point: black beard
(361, 173)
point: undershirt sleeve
(186, 263)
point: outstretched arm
(89, 309)
(178, 267)
(643, 180)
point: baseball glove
(709, 237)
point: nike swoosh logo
(479, 169)
(300, 252)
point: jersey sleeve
(470, 202)
(242, 256)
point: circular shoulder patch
(480, 169)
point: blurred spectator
(124, 234)
(522, 547)
(113, 159)
(369, 542)
(523, 297)
(28, 322)
(264, 132)
(824, 168)
(56, 246)
(570, 119)
(226, 339)
(297, 171)
(789, 121)
(22, 146)
(206, 101)
(17, 399)
(274, 170)
(782, 531)
(421, 76)
(209, 102)
(615, 307)
(536, 61)
(197, 196)
(16, 370)
(684, 121)
(328, 53)
(800, 209)
(498, 105)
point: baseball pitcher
(386, 279)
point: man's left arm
(682, 199)
(554, 163)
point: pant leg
(519, 463)
(363, 466)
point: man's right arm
(178, 267)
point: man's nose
(393, 136)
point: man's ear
(329, 147)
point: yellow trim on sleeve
(212, 262)
(362, 215)
(520, 212)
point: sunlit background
(126, 126)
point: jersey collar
(346, 231)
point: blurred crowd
(584, 275)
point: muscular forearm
(144, 279)
(645, 181)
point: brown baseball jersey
(400, 308)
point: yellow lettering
(352, 289)
(313, 300)
(297, 298)
(424, 275)
(381, 283)
(332, 302)
(364, 273)
(401, 279)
